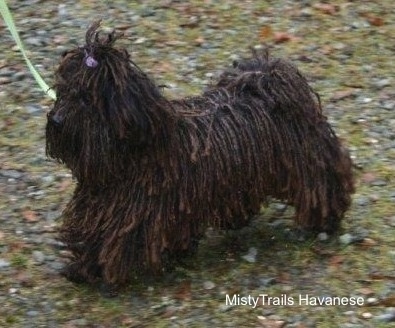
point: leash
(5, 12)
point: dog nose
(57, 118)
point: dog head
(106, 108)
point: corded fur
(154, 173)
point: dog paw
(72, 273)
(108, 290)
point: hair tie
(90, 61)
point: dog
(152, 173)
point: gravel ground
(345, 48)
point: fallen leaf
(199, 40)
(366, 291)
(24, 279)
(373, 19)
(336, 260)
(128, 321)
(30, 216)
(322, 251)
(326, 49)
(283, 278)
(377, 275)
(183, 291)
(124, 27)
(64, 185)
(270, 323)
(368, 242)
(17, 246)
(326, 8)
(192, 22)
(388, 301)
(265, 33)
(342, 94)
(368, 177)
(280, 37)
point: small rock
(32, 313)
(52, 215)
(391, 221)
(37, 42)
(265, 282)
(360, 234)
(62, 10)
(11, 174)
(18, 76)
(4, 264)
(224, 308)
(371, 301)
(38, 256)
(382, 83)
(362, 201)
(140, 40)
(389, 316)
(306, 12)
(346, 239)
(13, 290)
(388, 105)
(366, 315)
(379, 183)
(48, 179)
(79, 322)
(208, 285)
(322, 236)
(368, 242)
(374, 198)
(251, 255)
(280, 207)
(34, 109)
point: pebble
(391, 221)
(322, 236)
(32, 313)
(78, 322)
(362, 201)
(38, 256)
(13, 290)
(11, 174)
(388, 105)
(208, 285)
(34, 109)
(4, 264)
(382, 83)
(224, 308)
(386, 317)
(389, 316)
(379, 183)
(19, 76)
(265, 282)
(346, 239)
(371, 301)
(251, 255)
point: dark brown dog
(153, 173)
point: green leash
(5, 12)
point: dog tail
(278, 82)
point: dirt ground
(347, 51)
